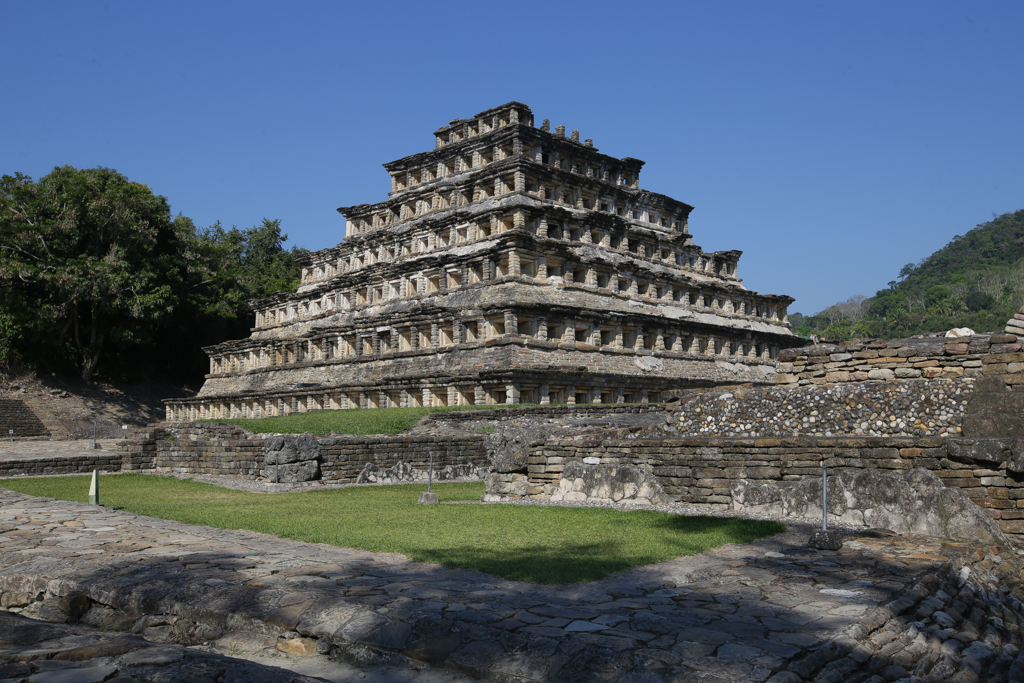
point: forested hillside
(98, 279)
(976, 281)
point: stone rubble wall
(702, 471)
(346, 457)
(458, 417)
(910, 502)
(79, 464)
(194, 448)
(914, 407)
(876, 360)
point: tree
(853, 309)
(979, 301)
(88, 257)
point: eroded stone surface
(914, 502)
(770, 610)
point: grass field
(375, 421)
(527, 543)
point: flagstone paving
(883, 608)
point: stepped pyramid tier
(510, 264)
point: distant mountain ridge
(975, 281)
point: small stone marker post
(825, 539)
(94, 488)
(428, 498)
(95, 446)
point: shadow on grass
(584, 562)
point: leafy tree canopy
(976, 281)
(94, 269)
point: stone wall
(203, 448)
(702, 470)
(79, 464)
(925, 357)
(915, 407)
(457, 417)
(346, 457)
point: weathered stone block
(912, 502)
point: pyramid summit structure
(510, 264)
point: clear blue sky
(831, 142)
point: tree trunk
(91, 356)
(93, 359)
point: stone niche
(290, 459)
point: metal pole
(94, 434)
(430, 472)
(276, 464)
(824, 497)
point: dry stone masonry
(910, 408)
(927, 357)
(510, 264)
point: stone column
(512, 393)
(545, 395)
(570, 394)
(511, 323)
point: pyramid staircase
(16, 415)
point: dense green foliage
(523, 543)
(975, 281)
(377, 421)
(97, 276)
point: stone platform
(880, 609)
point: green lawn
(527, 543)
(370, 421)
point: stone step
(993, 424)
(996, 402)
(16, 415)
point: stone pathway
(881, 609)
